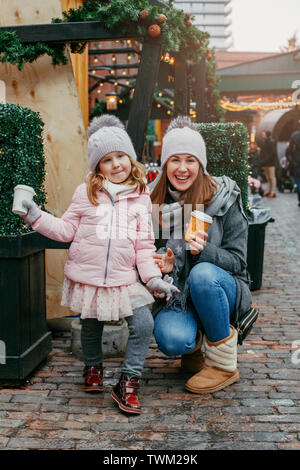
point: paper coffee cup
(199, 221)
(21, 193)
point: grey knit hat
(182, 137)
(107, 134)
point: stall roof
(276, 73)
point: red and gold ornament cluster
(154, 29)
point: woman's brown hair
(136, 178)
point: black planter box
(255, 255)
(24, 339)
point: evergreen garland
(21, 162)
(123, 17)
(16, 53)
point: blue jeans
(213, 293)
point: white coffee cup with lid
(21, 193)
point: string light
(258, 105)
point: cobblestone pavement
(261, 411)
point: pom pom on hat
(182, 137)
(107, 134)
(106, 120)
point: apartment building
(212, 16)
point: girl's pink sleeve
(61, 229)
(145, 247)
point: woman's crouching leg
(175, 332)
(213, 292)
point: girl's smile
(182, 170)
(116, 167)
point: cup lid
(25, 187)
(202, 216)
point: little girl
(109, 224)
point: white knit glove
(162, 287)
(34, 212)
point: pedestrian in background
(268, 162)
(254, 160)
(293, 156)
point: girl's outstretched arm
(61, 229)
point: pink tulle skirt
(104, 303)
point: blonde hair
(136, 178)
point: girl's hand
(198, 242)
(162, 287)
(33, 214)
(165, 261)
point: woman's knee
(173, 341)
(202, 275)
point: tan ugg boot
(193, 361)
(220, 366)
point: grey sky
(264, 25)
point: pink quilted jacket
(108, 241)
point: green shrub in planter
(21, 161)
(24, 338)
(227, 152)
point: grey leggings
(140, 326)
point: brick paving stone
(259, 412)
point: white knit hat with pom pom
(182, 137)
(107, 134)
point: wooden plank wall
(52, 92)
(80, 68)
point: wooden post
(199, 82)
(181, 105)
(143, 95)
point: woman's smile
(182, 170)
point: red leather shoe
(93, 378)
(271, 195)
(125, 394)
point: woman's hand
(165, 261)
(197, 242)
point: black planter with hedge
(24, 339)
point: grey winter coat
(226, 245)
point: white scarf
(115, 189)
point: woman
(210, 271)
(268, 162)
